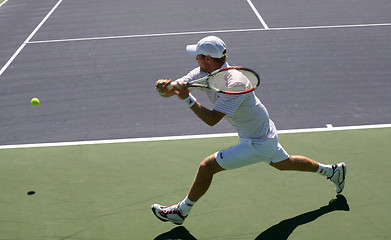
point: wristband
(190, 100)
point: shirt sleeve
(193, 75)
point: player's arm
(161, 88)
(210, 117)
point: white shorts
(248, 152)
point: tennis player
(257, 133)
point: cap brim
(191, 49)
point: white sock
(185, 206)
(325, 170)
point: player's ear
(208, 58)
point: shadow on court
(285, 228)
(180, 233)
(279, 231)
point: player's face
(202, 62)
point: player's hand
(181, 90)
(161, 87)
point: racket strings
(233, 81)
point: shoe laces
(171, 209)
(335, 170)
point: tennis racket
(229, 80)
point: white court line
(202, 136)
(334, 26)
(258, 15)
(3, 3)
(208, 32)
(329, 126)
(28, 38)
(144, 35)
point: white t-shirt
(244, 111)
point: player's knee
(205, 166)
(209, 165)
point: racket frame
(197, 82)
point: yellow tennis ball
(35, 101)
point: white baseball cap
(209, 46)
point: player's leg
(335, 173)
(297, 163)
(203, 179)
(234, 157)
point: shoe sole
(342, 185)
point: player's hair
(219, 60)
(223, 59)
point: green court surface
(105, 191)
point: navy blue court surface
(93, 64)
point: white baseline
(185, 137)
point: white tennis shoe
(168, 213)
(338, 177)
